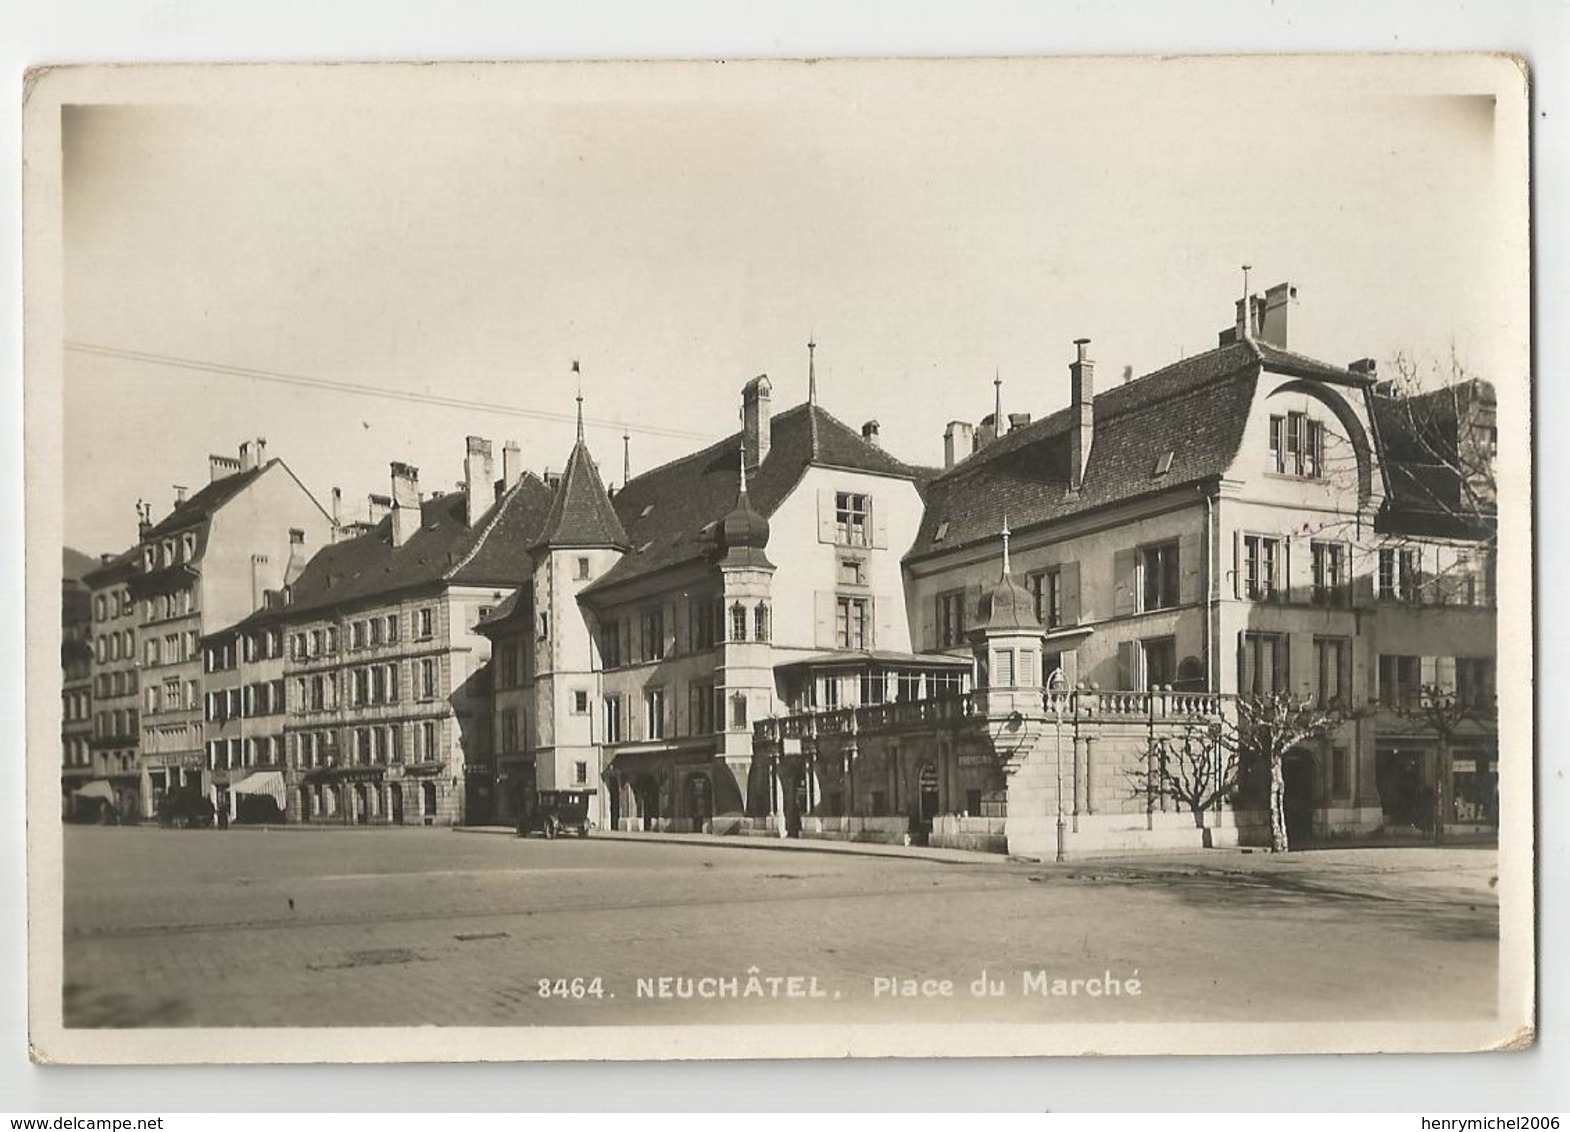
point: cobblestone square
(436, 927)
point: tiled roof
(669, 512)
(201, 505)
(75, 566)
(119, 568)
(445, 549)
(1195, 409)
(502, 614)
(581, 514)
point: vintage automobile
(556, 812)
(185, 809)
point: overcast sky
(682, 229)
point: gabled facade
(386, 708)
(206, 564)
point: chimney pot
(959, 440)
(179, 494)
(1082, 397)
(478, 478)
(756, 414)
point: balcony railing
(1084, 704)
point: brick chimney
(477, 477)
(1082, 397)
(512, 465)
(297, 557)
(869, 433)
(1277, 302)
(405, 502)
(247, 455)
(755, 415)
(179, 494)
(959, 440)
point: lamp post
(1058, 682)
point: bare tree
(1260, 730)
(1191, 769)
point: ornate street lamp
(1058, 682)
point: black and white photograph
(943, 557)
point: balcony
(1162, 704)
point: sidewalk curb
(788, 845)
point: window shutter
(880, 526)
(1362, 581)
(1069, 572)
(823, 619)
(929, 623)
(1190, 567)
(1286, 570)
(1243, 688)
(825, 515)
(668, 627)
(1237, 563)
(1128, 665)
(1123, 570)
(883, 610)
(973, 611)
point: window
(652, 625)
(580, 702)
(427, 679)
(700, 708)
(851, 622)
(188, 545)
(1398, 573)
(545, 626)
(428, 750)
(1003, 668)
(1046, 589)
(1160, 661)
(424, 624)
(851, 513)
(760, 622)
(700, 624)
(853, 572)
(738, 622)
(1329, 573)
(1259, 567)
(580, 773)
(873, 687)
(738, 711)
(583, 569)
(1262, 664)
(1475, 683)
(610, 644)
(1297, 445)
(611, 710)
(1400, 680)
(376, 626)
(1331, 669)
(1159, 570)
(392, 629)
(951, 619)
(654, 713)
(101, 611)
(356, 638)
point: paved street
(411, 926)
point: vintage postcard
(779, 559)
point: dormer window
(188, 545)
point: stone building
(76, 690)
(204, 566)
(387, 710)
(115, 685)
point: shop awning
(98, 788)
(268, 782)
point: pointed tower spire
(579, 374)
(812, 370)
(997, 402)
(812, 392)
(742, 456)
